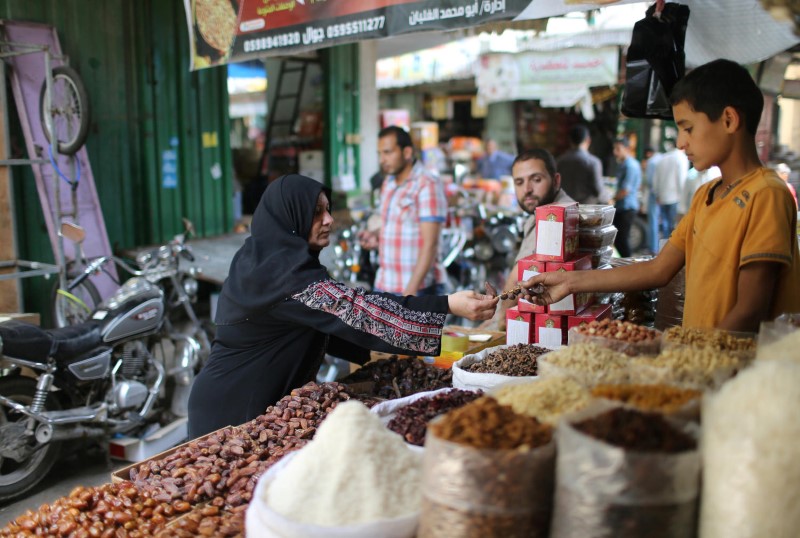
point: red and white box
(557, 232)
(550, 330)
(519, 327)
(573, 303)
(529, 267)
(593, 313)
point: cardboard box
(135, 449)
(592, 313)
(125, 473)
(399, 117)
(556, 232)
(550, 330)
(32, 318)
(574, 303)
(424, 134)
(519, 327)
(526, 268)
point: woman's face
(320, 235)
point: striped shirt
(403, 207)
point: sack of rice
(778, 340)
(751, 454)
(623, 473)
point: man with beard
(413, 208)
(536, 183)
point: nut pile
(206, 521)
(396, 378)
(589, 364)
(518, 360)
(224, 467)
(110, 510)
(635, 430)
(700, 368)
(485, 423)
(709, 338)
(412, 420)
(618, 330)
(663, 398)
(546, 399)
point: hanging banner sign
(224, 31)
(558, 77)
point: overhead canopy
(741, 30)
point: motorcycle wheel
(17, 478)
(637, 238)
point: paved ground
(86, 467)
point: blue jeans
(653, 220)
(669, 212)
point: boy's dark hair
(542, 154)
(719, 84)
(578, 134)
(401, 136)
(622, 141)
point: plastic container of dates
(486, 493)
(465, 379)
(595, 216)
(595, 238)
(635, 341)
(625, 474)
(600, 256)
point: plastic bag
(632, 349)
(264, 522)
(779, 339)
(472, 493)
(606, 491)
(655, 62)
(463, 379)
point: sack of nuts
(623, 336)
(625, 473)
(487, 473)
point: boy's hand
(471, 305)
(546, 288)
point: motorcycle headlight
(503, 240)
(484, 250)
(190, 286)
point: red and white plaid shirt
(403, 207)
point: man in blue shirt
(495, 163)
(629, 179)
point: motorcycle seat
(30, 342)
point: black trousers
(623, 220)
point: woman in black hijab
(279, 312)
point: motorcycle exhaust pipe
(47, 434)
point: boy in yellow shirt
(738, 240)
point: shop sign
(223, 31)
(450, 61)
(559, 77)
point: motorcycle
(126, 370)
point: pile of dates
(109, 510)
(396, 378)
(223, 467)
(206, 521)
(411, 421)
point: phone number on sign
(355, 27)
(314, 35)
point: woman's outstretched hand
(471, 305)
(546, 288)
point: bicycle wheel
(68, 116)
(73, 306)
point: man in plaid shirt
(413, 208)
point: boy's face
(701, 139)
